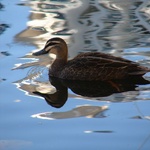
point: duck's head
(55, 45)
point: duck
(89, 66)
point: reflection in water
(47, 19)
(116, 25)
(141, 115)
(89, 89)
(3, 27)
(105, 131)
(56, 94)
(92, 25)
(88, 111)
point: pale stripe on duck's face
(50, 44)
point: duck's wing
(103, 56)
(95, 68)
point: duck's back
(99, 66)
(103, 56)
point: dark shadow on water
(88, 89)
(3, 27)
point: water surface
(103, 119)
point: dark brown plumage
(89, 66)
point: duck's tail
(138, 71)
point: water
(114, 121)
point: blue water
(116, 27)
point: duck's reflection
(57, 99)
(88, 89)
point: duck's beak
(41, 52)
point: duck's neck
(59, 62)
